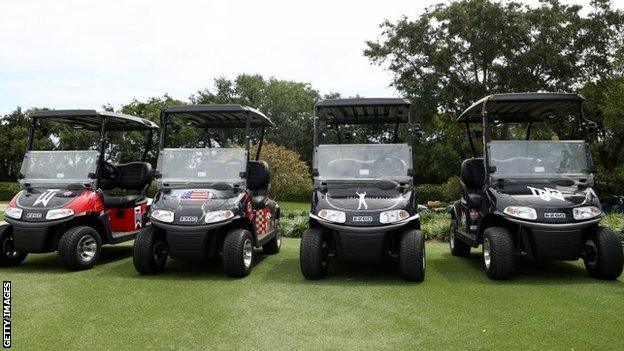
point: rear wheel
(150, 252)
(9, 255)
(273, 246)
(498, 253)
(313, 254)
(604, 257)
(237, 253)
(412, 255)
(79, 248)
(458, 247)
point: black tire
(9, 256)
(412, 256)
(273, 246)
(604, 258)
(149, 254)
(457, 246)
(237, 253)
(313, 254)
(499, 243)
(79, 248)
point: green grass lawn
(194, 306)
(294, 206)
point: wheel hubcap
(160, 251)
(325, 259)
(487, 258)
(87, 247)
(9, 249)
(247, 253)
(452, 236)
(592, 253)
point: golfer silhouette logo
(362, 200)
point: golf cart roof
(92, 120)
(220, 116)
(522, 107)
(364, 111)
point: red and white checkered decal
(263, 221)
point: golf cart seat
(259, 180)
(131, 176)
(473, 174)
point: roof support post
(163, 130)
(260, 143)
(102, 156)
(247, 136)
(31, 133)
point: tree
(454, 54)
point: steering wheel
(390, 165)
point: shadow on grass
(210, 269)
(528, 272)
(49, 263)
(340, 274)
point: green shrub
(295, 226)
(451, 190)
(435, 225)
(290, 176)
(610, 182)
(615, 221)
(8, 190)
(429, 192)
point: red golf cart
(62, 206)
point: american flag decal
(196, 195)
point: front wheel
(603, 258)
(498, 253)
(237, 253)
(412, 255)
(313, 254)
(79, 248)
(150, 252)
(9, 255)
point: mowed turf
(194, 306)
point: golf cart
(211, 201)
(364, 205)
(531, 198)
(62, 206)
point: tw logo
(547, 194)
(46, 197)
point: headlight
(333, 216)
(218, 216)
(13, 212)
(162, 215)
(521, 212)
(59, 213)
(393, 216)
(586, 212)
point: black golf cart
(531, 198)
(62, 206)
(211, 201)
(364, 206)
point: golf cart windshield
(363, 162)
(539, 158)
(59, 167)
(213, 165)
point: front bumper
(35, 237)
(361, 244)
(554, 241)
(190, 242)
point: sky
(84, 54)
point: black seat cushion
(122, 201)
(258, 176)
(473, 173)
(135, 175)
(259, 202)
